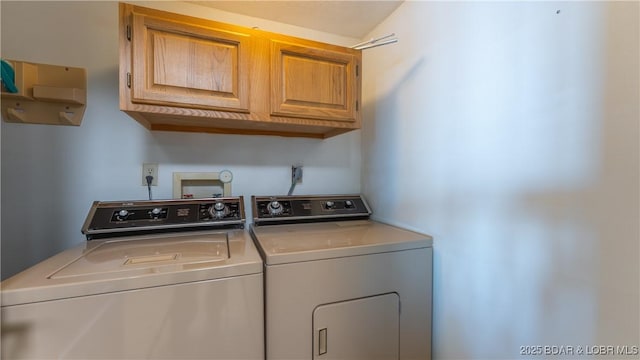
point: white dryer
(173, 279)
(339, 285)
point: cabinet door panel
(190, 66)
(313, 83)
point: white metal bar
(373, 41)
(390, 41)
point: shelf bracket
(66, 117)
(18, 115)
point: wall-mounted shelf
(47, 94)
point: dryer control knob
(122, 214)
(329, 204)
(219, 206)
(156, 211)
(274, 208)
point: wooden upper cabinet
(181, 73)
(192, 66)
(313, 83)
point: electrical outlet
(152, 170)
(296, 174)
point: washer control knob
(348, 204)
(219, 210)
(122, 214)
(156, 211)
(329, 204)
(274, 208)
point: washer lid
(139, 257)
(281, 244)
(104, 266)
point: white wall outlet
(150, 170)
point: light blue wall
(52, 174)
(509, 131)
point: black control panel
(288, 209)
(163, 215)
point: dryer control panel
(293, 209)
(116, 217)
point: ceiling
(353, 19)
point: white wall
(509, 131)
(52, 174)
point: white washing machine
(176, 279)
(341, 286)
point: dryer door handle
(322, 341)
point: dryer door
(360, 329)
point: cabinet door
(184, 65)
(313, 83)
(361, 329)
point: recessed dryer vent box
(197, 185)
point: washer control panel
(132, 216)
(287, 209)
